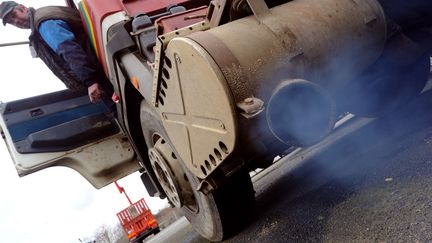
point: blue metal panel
(21, 130)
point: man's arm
(59, 37)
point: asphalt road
(371, 181)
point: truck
(209, 90)
(137, 220)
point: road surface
(371, 181)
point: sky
(56, 204)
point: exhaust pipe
(300, 112)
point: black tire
(219, 214)
(225, 211)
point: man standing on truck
(58, 38)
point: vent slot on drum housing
(167, 67)
(214, 158)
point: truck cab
(208, 90)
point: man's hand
(95, 93)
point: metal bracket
(206, 186)
(258, 7)
(369, 16)
(251, 107)
(161, 43)
(215, 12)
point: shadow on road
(374, 165)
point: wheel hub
(170, 174)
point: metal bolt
(178, 59)
(222, 125)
